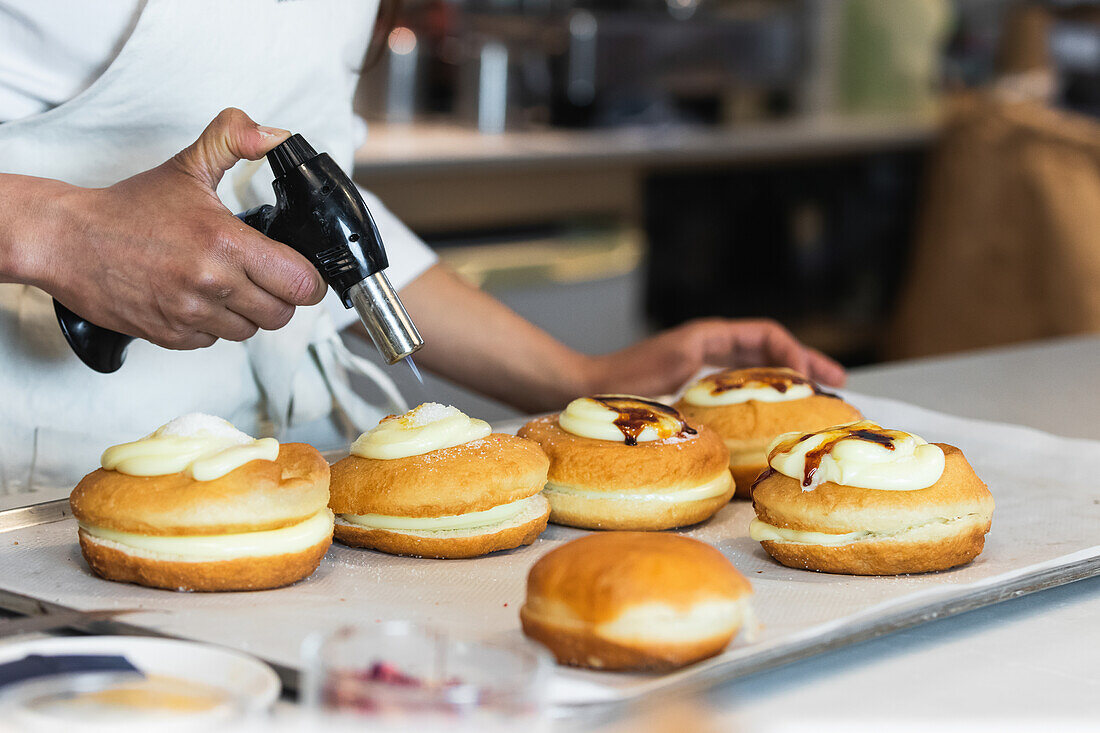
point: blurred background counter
(428, 149)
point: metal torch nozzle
(381, 311)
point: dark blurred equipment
(645, 67)
(818, 244)
(598, 63)
(1075, 47)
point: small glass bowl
(402, 674)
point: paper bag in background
(1008, 246)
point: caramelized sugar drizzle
(879, 436)
(778, 379)
(636, 414)
(767, 472)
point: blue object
(38, 665)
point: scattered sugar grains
(430, 412)
(678, 438)
(444, 454)
(197, 423)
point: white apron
(290, 64)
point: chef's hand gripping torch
(319, 212)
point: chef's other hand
(158, 256)
(661, 364)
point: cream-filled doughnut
(635, 601)
(748, 408)
(198, 505)
(623, 462)
(863, 500)
(436, 483)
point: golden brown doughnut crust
(246, 573)
(754, 420)
(583, 648)
(600, 575)
(780, 501)
(604, 465)
(471, 477)
(884, 557)
(397, 543)
(259, 495)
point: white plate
(243, 677)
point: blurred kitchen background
(888, 178)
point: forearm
(27, 223)
(474, 340)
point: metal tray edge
(33, 515)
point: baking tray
(1046, 533)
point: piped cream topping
(426, 428)
(199, 548)
(494, 515)
(204, 446)
(860, 454)
(621, 418)
(734, 387)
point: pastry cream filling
(295, 538)
(710, 489)
(660, 622)
(907, 464)
(761, 531)
(427, 427)
(204, 446)
(496, 515)
(589, 418)
(703, 394)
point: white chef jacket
(170, 67)
(51, 50)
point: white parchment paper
(1047, 515)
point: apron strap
(336, 361)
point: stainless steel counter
(1049, 385)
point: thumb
(231, 136)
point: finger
(279, 270)
(260, 307)
(825, 370)
(187, 342)
(723, 343)
(275, 268)
(225, 324)
(783, 349)
(231, 136)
